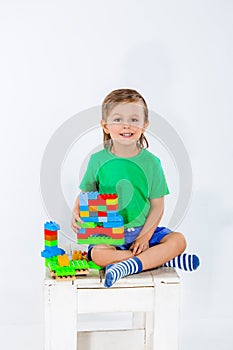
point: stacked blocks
(64, 269)
(102, 222)
(50, 238)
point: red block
(108, 196)
(96, 202)
(112, 207)
(99, 230)
(102, 213)
(50, 233)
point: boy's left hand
(140, 245)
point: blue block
(83, 198)
(93, 214)
(93, 195)
(112, 213)
(84, 208)
(81, 230)
(113, 224)
(117, 218)
(90, 219)
(51, 226)
(49, 253)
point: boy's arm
(152, 221)
(75, 216)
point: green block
(50, 260)
(79, 264)
(53, 266)
(65, 271)
(102, 208)
(101, 240)
(50, 243)
(89, 225)
(92, 265)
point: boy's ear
(145, 126)
(104, 126)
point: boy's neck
(125, 151)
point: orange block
(63, 260)
(50, 238)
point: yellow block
(84, 213)
(63, 260)
(112, 201)
(118, 229)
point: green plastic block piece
(93, 266)
(89, 225)
(49, 260)
(102, 208)
(53, 265)
(50, 243)
(79, 264)
(65, 271)
(101, 240)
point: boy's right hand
(76, 221)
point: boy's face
(125, 122)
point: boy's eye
(134, 120)
(117, 120)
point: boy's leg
(104, 255)
(172, 245)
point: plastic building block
(50, 237)
(65, 271)
(51, 243)
(51, 226)
(83, 198)
(78, 255)
(52, 251)
(79, 264)
(92, 195)
(93, 266)
(63, 260)
(101, 220)
(101, 240)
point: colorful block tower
(102, 222)
(50, 240)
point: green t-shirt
(136, 180)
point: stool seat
(152, 298)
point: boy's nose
(126, 125)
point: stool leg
(60, 316)
(166, 316)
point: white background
(61, 57)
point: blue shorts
(132, 234)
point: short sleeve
(88, 182)
(159, 186)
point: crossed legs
(170, 246)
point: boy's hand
(140, 245)
(76, 221)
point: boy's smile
(125, 122)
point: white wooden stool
(151, 298)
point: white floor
(202, 335)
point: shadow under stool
(146, 306)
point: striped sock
(187, 262)
(116, 271)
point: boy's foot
(116, 271)
(187, 262)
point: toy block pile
(56, 260)
(50, 240)
(102, 223)
(64, 269)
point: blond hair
(123, 96)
